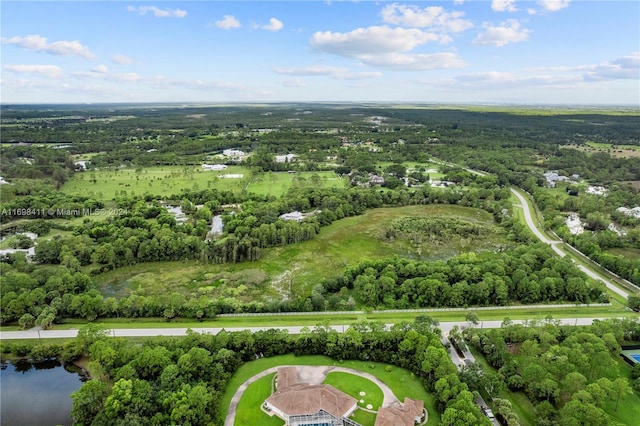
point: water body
(37, 394)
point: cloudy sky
(500, 51)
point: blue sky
(500, 51)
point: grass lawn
(352, 385)
(401, 381)
(159, 181)
(249, 412)
(365, 418)
(277, 183)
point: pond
(37, 393)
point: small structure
(232, 152)
(297, 216)
(3, 182)
(596, 190)
(80, 165)
(285, 158)
(294, 401)
(408, 415)
(207, 167)
(375, 180)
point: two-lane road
(528, 216)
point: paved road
(554, 245)
(150, 332)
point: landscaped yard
(402, 382)
(249, 412)
(368, 394)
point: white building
(207, 167)
(232, 152)
(285, 158)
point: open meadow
(294, 270)
(164, 181)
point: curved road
(528, 216)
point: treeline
(526, 274)
(178, 381)
(569, 373)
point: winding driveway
(316, 375)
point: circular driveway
(312, 375)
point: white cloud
(504, 5)
(157, 12)
(49, 71)
(414, 62)
(623, 68)
(102, 69)
(507, 32)
(434, 17)
(228, 22)
(121, 59)
(337, 73)
(38, 43)
(370, 41)
(101, 72)
(273, 25)
(554, 5)
(295, 82)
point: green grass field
(169, 180)
(295, 269)
(402, 382)
(278, 183)
(249, 412)
(352, 385)
(158, 181)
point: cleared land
(171, 180)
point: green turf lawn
(402, 382)
(158, 181)
(249, 412)
(278, 183)
(365, 418)
(352, 385)
(297, 268)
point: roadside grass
(332, 318)
(249, 412)
(158, 181)
(294, 270)
(577, 257)
(402, 382)
(352, 385)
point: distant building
(3, 182)
(80, 165)
(297, 216)
(207, 167)
(285, 158)
(233, 153)
(375, 180)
